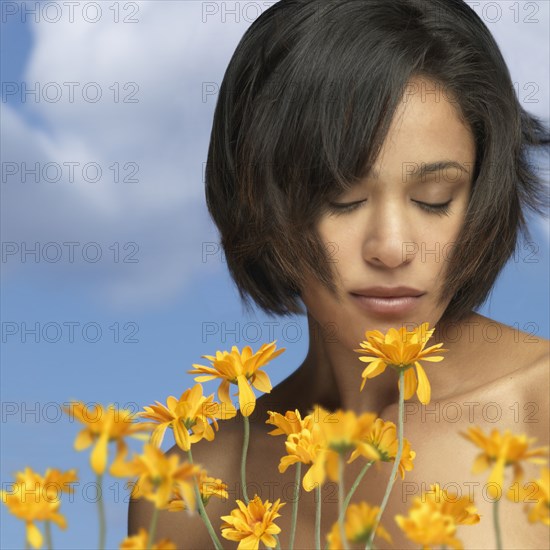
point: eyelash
(439, 209)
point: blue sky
(154, 301)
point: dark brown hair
(303, 110)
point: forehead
(426, 127)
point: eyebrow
(421, 170)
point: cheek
(341, 245)
(442, 234)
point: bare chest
(446, 457)
(443, 456)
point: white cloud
(165, 58)
(523, 35)
(168, 54)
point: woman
(368, 159)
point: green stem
(496, 525)
(246, 426)
(152, 529)
(358, 479)
(341, 500)
(356, 484)
(318, 518)
(48, 534)
(295, 503)
(202, 511)
(101, 513)
(397, 460)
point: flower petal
(315, 475)
(481, 463)
(181, 435)
(247, 399)
(98, 458)
(410, 383)
(83, 440)
(158, 434)
(34, 536)
(262, 381)
(496, 478)
(424, 389)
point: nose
(388, 241)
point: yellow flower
(462, 509)
(190, 412)
(501, 450)
(159, 475)
(305, 447)
(253, 523)
(242, 369)
(320, 437)
(338, 432)
(383, 437)
(208, 487)
(433, 518)
(358, 524)
(290, 423)
(303, 443)
(401, 349)
(139, 542)
(103, 425)
(37, 498)
(536, 495)
(344, 430)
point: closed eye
(337, 208)
(440, 209)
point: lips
(388, 292)
(387, 306)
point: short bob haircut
(303, 109)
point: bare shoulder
(523, 388)
(509, 350)
(533, 382)
(528, 356)
(509, 375)
(221, 458)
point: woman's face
(390, 237)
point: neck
(333, 372)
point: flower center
(401, 367)
(189, 422)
